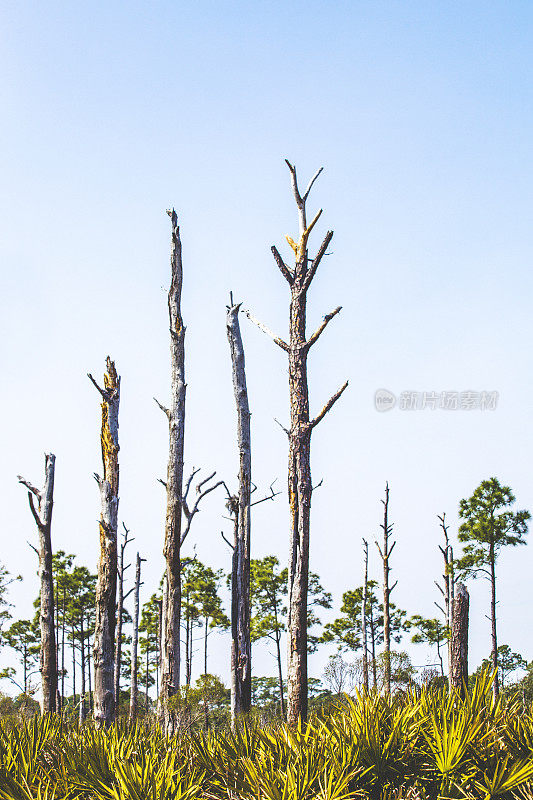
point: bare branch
(294, 182)
(227, 540)
(393, 586)
(188, 484)
(190, 515)
(331, 402)
(311, 182)
(312, 339)
(205, 480)
(34, 511)
(103, 392)
(283, 428)
(285, 271)
(319, 484)
(270, 496)
(276, 339)
(162, 482)
(317, 259)
(129, 591)
(29, 486)
(33, 548)
(163, 408)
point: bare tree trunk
(373, 641)
(280, 675)
(43, 519)
(147, 676)
(106, 585)
(459, 671)
(385, 554)
(134, 642)
(170, 668)
(363, 619)
(494, 653)
(63, 654)
(301, 426)
(73, 665)
(448, 590)
(120, 610)
(83, 705)
(91, 704)
(241, 650)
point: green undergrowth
(427, 744)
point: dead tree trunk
(106, 585)
(43, 519)
(120, 610)
(363, 619)
(135, 641)
(170, 639)
(83, 703)
(385, 554)
(494, 639)
(447, 590)
(241, 651)
(301, 426)
(459, 640)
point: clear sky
(421, 114)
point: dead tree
(170, 634)
(459, 640)
(448, 590)
(301, 427)
(363, 618)
(42, 514)
(241, 650)
(106, 585)
(385, 554)
(120, 610)
(135, 641)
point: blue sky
(421, 114)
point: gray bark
(241, 652)
(42, 514)
(135, 641)
(106, 585)
(459, 640)
(449, 584)
(301, 426)
(170, 634)
(385, 554)
(363, 619)
(120, 608)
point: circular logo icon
(384, 400)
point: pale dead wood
(275, 339)
(106, 585)
(42, 514)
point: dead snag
(120, 610)
(42, 514)
(106, 585)
(300, 487)
(448, 590)
(134, 642)
(363, 618)
(385, 554)
(459, 640)
(241, 651)
(170, 633)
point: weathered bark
(373, 642)
(301, 426)
(459, 640)
(449, 583)
(170, 639)
(106, 585)
(83, 704)
(134, 642)
(363, 619)
(385, 554)
(120, 610)
(42, 514)
(494, 638)
(241, 651)
(63, 654)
